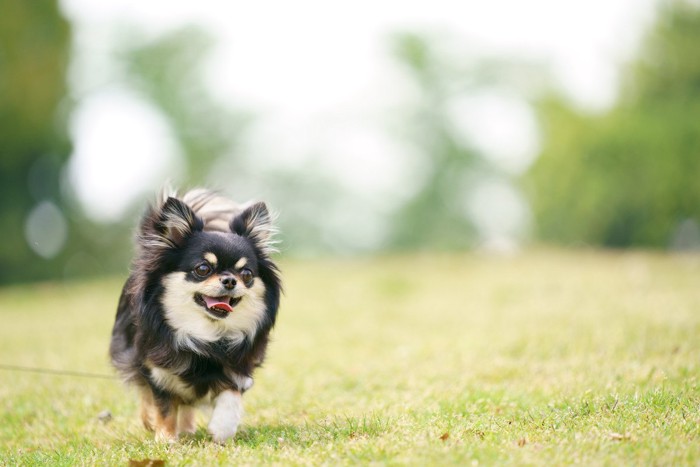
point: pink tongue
(215, 302)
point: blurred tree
(34, 52)
(451, 169)
(34, 55)
(629, 177)
(168, 73)
(434, 216)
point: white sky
(318, 73)
(287, 54)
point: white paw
(243, 382)
(247, 384)
(227, 415)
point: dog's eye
(202, 270)
(246, 276)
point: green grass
(550, 358)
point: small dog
(195, 315)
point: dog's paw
(242, 382)
(223, 436)
(227, 415)
(222, 430)
(165, 437)
(247, 383)
(186, 423)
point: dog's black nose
(228, 281)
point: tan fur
(187, 422)
(166, 424)
(148, 409)
(213, 283)
(168, 380)
(211, 257)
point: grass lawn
(550, 357)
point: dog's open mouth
(219, 307)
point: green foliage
(35, 145)
(668, 67)
(448, 169)
(491, 362)
(34, 49)
(628, 177)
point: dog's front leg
(148, 409)
(227, 415)
(165, 424)
(186, 422)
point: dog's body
(194, 317)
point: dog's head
(212, 284)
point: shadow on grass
(329, 430)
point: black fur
(143, 338)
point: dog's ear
(175, 223)
(255, 223)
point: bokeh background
(368, 126)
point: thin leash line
(48, 371)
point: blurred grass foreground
(548, 358)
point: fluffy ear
(255, 223)
(176, 222)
